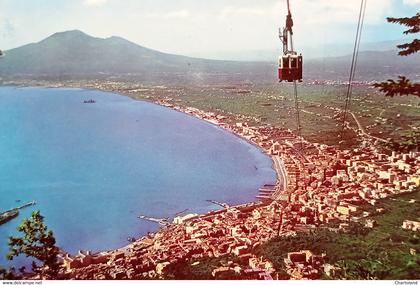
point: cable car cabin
(290, 67)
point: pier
(266, 192)
(223, 205)
(180, 213)
(26, 205)
(13, 213)
(162, 222)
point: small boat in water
(90, 101)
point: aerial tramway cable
(357, 52)
(299, 127)
(353, 66)
(290, 64)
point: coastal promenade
(281, 176)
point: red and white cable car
(290, 63)
(290, 67)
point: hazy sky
(200, 26)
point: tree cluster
(403, 86)
(37, 242)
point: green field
(274, 105)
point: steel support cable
(352, 68)
(353, 63)
(297, 110)
(299, 127)
(357, 54)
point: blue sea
(94, 168)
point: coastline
(196, 113)
(228, 129)
(159, 103)
(323, 189)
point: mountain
(371, 65)
(312, 51)
(76, 52)
(76, 55)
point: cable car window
(285, 62)
(294, 62)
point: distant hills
(76, 55)
(371, 65)
(310, 51)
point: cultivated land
(320, 106)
